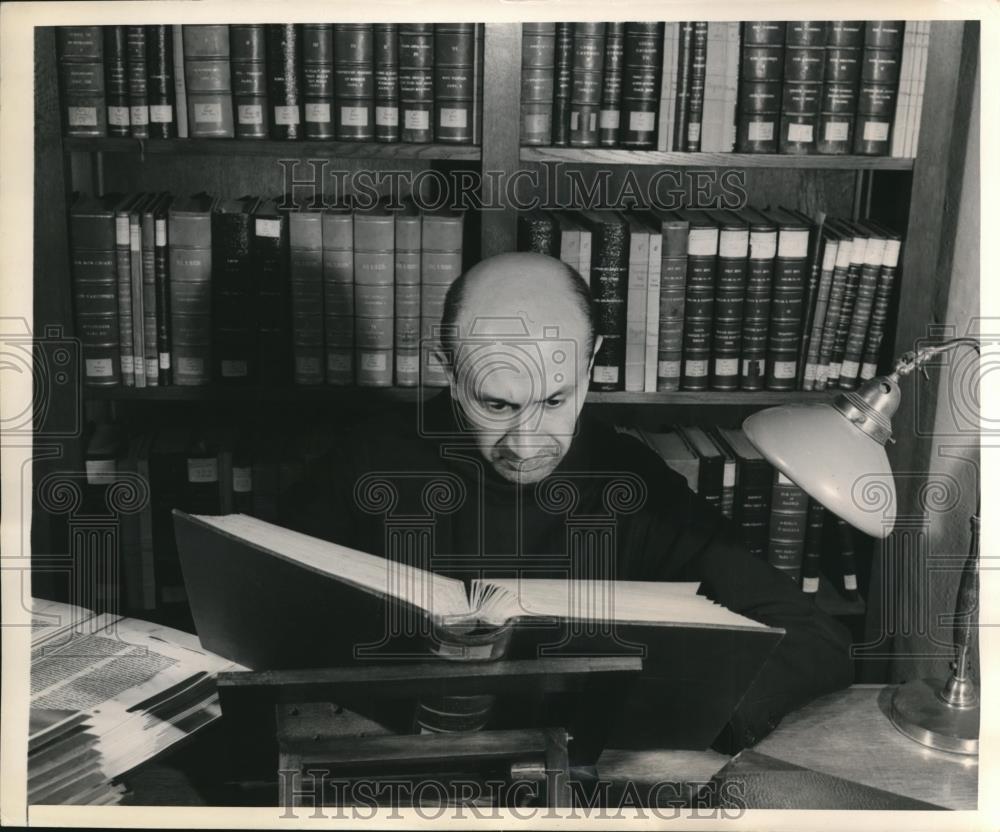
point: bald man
(504, 463)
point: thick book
(180, 83)
(668, 88)
(234, 295)
(317, 80)
(727, 504)
(160, 81)
(240, 571)
(641, 90)
(812, 552)
(270, 259)
(454, 82)
(338, 295)
(416, 82)
(696, 86)
(757, 300)
(754, 485)
(374, 295)
(80, 54)
(116, 80)
(857, 245)
(386, 67)
(562, 84)
(587, 82)
(673, 277)
(637, 294)
(699, 298)
(538, 231)
(788, 290)
(538, 55)
(762, 48)
(850, 365)
(406, 337)
(161, 281)
(248, 48)
(711, 464)
(208, 82)
(138, 83)
(609, 117)
(722, 70)
(284, 88)
(441, 236)
(730, 290)
(787, 527)
(305, 272)
(880, 309)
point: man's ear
(443, 357)
(598, 340)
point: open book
(269, 598)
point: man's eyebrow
(560, 391)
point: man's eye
(495, 407)
(555, 401)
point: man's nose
(522, 444)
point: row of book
(777, 520)
(727, 300)
(198, 290)
(385, 82)
(796, 87)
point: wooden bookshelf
(613, 156)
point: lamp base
(920, 713)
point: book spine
(386, 65)
(727, 501)
(562, 85)
(270, 248)
(406, 338)
(609, 286)
(829, 259)
(538, 55)
(234, 301)
(440, 265)
(809, 304)
(845, 536)
(242, 478)
(305, 247)
(609, 116)
(787, 527)
(93, 269)
(757, 308)
(454, 82)
(673, 281)
(754, 486)
(160, 80)
(838, 284)
(161, 270)
(800, 97)
(850, 365)
(135, 288)
(284, 90)
(652, 314)
(715, 88)
(637, 294)
(123, 267)
(846, 313)
(138, 85)
(787, 297)
(812, 550)
(190, 297)
(416, 82)
(338, 297)
(699, 302)
(880, 65)
(668, 88)
(696, 96)
(880, 310)
(208, 82)
(730, 291)
(374, 297)
(904, 94)
(761, 72)
(731, 80)
(317, 81)
(538, 232)
(150, 325)
(116, 80)
(80, 54)
(585, 92)
(248, 45)
(643, 68)
(685, 35)
(478, 77)
(919, 82)
(180, 88)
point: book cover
(696, 86)
(416, 82)
(562, 84)
(248, 45)
(374, 295)
(454, 82)
(610, 115)
(699, 299)
(538, 56)
(880, 308)
(284, 87)
(637, 294)
(586, 85)
(338, 295)
(788, 289)
(234, 293)
(754, 486)
(208, 81)
(674, 232)
(757, 301)
(80, 55)
(270, 258)
(138, 84)
(305, 272)
(406, 338)
(160, 81)
(441, 237)
(668, 88)
(386, 67)
(317, 80)
(730, 290)
(641, 93)
(711, 464)
(116, 80)
(787, 527)
(180, 85)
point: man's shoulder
(617, 450)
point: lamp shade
(831, 459)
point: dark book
(95, 286)
(454, 82)
(478, 78)
(269, 246)
(641, 85)
(440, 265)
(241, 471)
(839, 97)
(539, 232)
(386, 67)
(608, 286)
(264, 470)
(208, 82)
(305, 270)
(813, 270)
(812, 551)
(168, 490)
(609, 117)
(151, 353)
(880, 309)
(880, 65)
(850, 365)
(338, 295)
(416, 82)
(699, 299)
(787, 527)
(374, 295)
(116, 80)
(711, 464)
(317, 80)
(757, 300)
(236, 568)
(845, 536)
(674, 230)
(248, 45)
(141, 262)
(562, 85)
(759, 93)
(835, 304)
(80, 53)
(730, 292)
(804, 63)
(696, 86)
(827, 259)
(284, 87)
(189, 238)
(754, 487)
(538, 56)
(788, 289)
(587, 83)
(685, 35)
(234, 293)
(136, 533)
(203, 494)
(161, 280)
(406, 337)
(138, 82)
(160, 81)
(123, 271)
(728, 503)
(857, 244)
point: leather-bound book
(234, 294)
(757, 299)
(538, 231)
(861, 314)
(678, 140)
(788, 290)
(208, 82)
(880, 309)
(116, 80)
(138, 83)
(441, 236)
(754, 485)
(338, 294)
(374, 295)
(812, 551)
(354, 81)
(699, 299)
(538, 56)
(730, 294)
(711, 464)
(416, 81)
(587, 83)
(317, 80)
(270, 259)
(386, 65)
(880, 66)
(160, 81)
(839, 99)
(787, 527)
(305, 270)
(80, 53)
(562, 84)
(248, 43)
(761, 71)
(609, 117)
(284, 86)
(641, 84)
(406, 337)
(151, 324)
(161, 279)
(696, 85)
(857, 245)
(830, 246)
(673, 278)
(454, 82)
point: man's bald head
(519, 294)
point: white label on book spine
(605, 375)
(641, 122)
(810, 584)
(286, 115)
(230, 368)
(307, 365)
(416, 120)
(100, 470)
(208, 112)
(610, 119)
(242, 479)
(727, 366)
(835, 131)
(203, 469)
(876, 131)
(139, 115)
(160, 227)
(387, 116)
(164, 360)
(694, 131)
(809, 374)
(118, 116)
(374, 361)
(850, 582)
(800, 133)
(187, 366)
(729, 475)
(161, 113)
(99, 367)
(537, 123)
(696, 369)
(703, 242)
(784, 369)
(250, 114)
(793, 244)
(763, 245)
(454, 117)
(82, 116)
(760, 131)
(407, 362)
(128, 367)
(668, 369)
(268, 228)
(891, 256)
(574, 120)
(867, 371)
(849, 369)
(592, 122)
(318, 113)
(733, 243)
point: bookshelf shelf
(612, 156)
(267, 147)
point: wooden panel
(266, 147)
(612, 156)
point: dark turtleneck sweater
(416, 470)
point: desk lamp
(825, 449)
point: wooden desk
(847, 734)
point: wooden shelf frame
(616, 156)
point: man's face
(522, 397)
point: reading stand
(298, 716)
